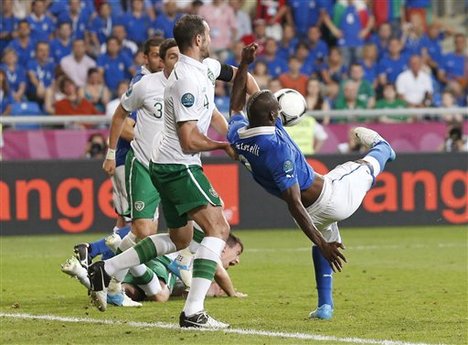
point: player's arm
(241, 78)
(194, 141)
(219, 123)
(292, 196)
(224, 281)
(128, 132)
(228, 73)
(130, 101)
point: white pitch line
(163, 325)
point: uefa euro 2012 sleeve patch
(187, 100)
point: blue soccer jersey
(270, 154)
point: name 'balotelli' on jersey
(270, 154)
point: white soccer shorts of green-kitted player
(146, 97)
(185, 191)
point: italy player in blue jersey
(315, 202)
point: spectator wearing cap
(77, 64)
(41, 73)
(414, 85)
(8, 24)
(42, 26)
(166, 19)
(288, 44)
(61, 46)
(369, 63)
(136, 22)
(100, 27)
(77, 17)
(114, 64)
(276, 65)
(274, 12)
(305, 15)
(351, 24)
(454, 63)
(222, 21)
(391, 65)
(293, 78)
(128, 47)
(243, 21)
(23, 45)
(15, 74)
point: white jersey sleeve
(186, 100)
(134, 98)
(214, 66)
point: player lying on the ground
(316, 202)
(167, 268)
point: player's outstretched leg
(73, 268)
(99, 283)
(323, 279)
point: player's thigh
(143, 197)
(184, 189)
(182, 236)
(350, 183)
(212, 220)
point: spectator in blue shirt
(15, 74)
(114, 65)
(6, 99)
(128, 47)
(305, 14)
(166, 19)
(136, 22)
(41, 73)
(100, 27)
(302, 54)
(431, 47)
(391, 65)
(287, 45)
(454, 63)
(333, 70)
(62, 45)
(369, 63)
(77, 17)
(412, 38)
(8, 23)
(42, 26)
(275, 64)
(23, 45)
(57, 7)
(382, 38)
(318, 48)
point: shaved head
(262, 109)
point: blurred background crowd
(67, 57)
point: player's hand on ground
(332, 253)
(109, 166)
(249, 52)
(240, 294)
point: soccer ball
(293, 106)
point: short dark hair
(151, 42)
(23, 21)
(186, 29)
(110, 38)
(92, 70)
(232, 240)
(165, 46)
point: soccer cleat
(120, 299)
(113, 242)
(370, 138)
(200, 320)
(99, 280)
(73, 268)
(181, 266)
(82, 254)
(324, 312)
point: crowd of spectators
(72, 56)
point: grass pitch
(401, 284)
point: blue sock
(323, 277)
(382, 152)
(99, 247)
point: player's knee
(143, 228)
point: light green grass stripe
(203, 268)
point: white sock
(210, 249)
(152, 288)
(163, 244)
(127, 242)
